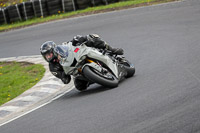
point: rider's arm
(55, 70)
(58, 72)
(65, 78)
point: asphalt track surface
(163, 97)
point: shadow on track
(93, 89)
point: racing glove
(65, 78)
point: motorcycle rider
(49, 52)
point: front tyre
(103, 78)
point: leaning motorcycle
(94, 65)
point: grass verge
(90, 10)
(15, 78)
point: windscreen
(62, 50)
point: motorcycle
(95, 65)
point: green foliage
(15, 78)
(89, 10)
(5, 3)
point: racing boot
(118, 51)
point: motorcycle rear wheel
(107, 80)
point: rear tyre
(105, 79)
(130, 71)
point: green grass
(15, 78)
(5, 3)
(89, 10)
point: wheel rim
(106, 75)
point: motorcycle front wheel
(106, 79)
